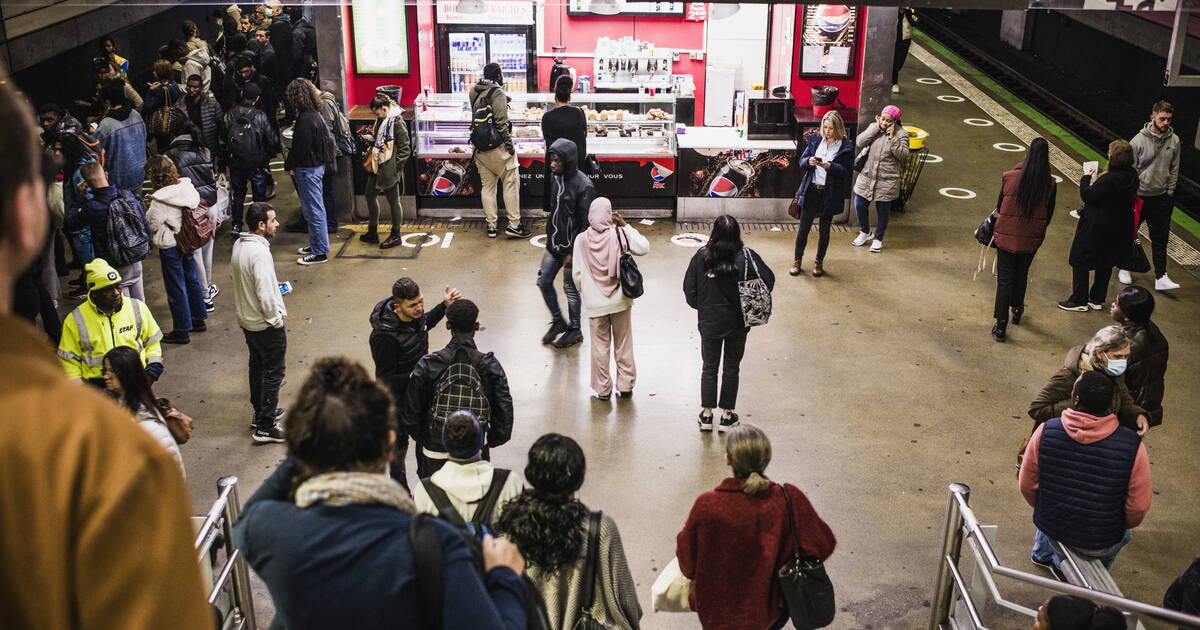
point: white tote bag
(671, 589)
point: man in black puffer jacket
(400, 328)
(1148, 351)
(571, 196)
(205, 113)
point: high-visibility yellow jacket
(89, 334)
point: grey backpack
(128, 232)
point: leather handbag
(807, 589)
(1136, 261)
(591, 573)
(631, 276)
(196, 229)
(178, 423)
(753, 293)
(985, 234)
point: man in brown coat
(94, 529)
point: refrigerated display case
(465, 49)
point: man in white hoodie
(260, 313)
(467, 487)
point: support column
(1016, 29)
(331, 74)
(879, 49)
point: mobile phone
(285, 288)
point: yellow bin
(916, 137)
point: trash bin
(392, 91)
(823, 98)
(910, 171)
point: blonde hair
(1120, 154)
(839, 127)
(749, 452)
(1105, 340)
(162, 172)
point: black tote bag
(631, 276)
(806, 587)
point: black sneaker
(492, 232)
(269, 435)
(313, 259)
(278, 413)
(1068, 305)
(176, 337)
(705, 421)
(304, 251)
(199, 326)
(571, 337)
(516, 232)
(392, 241)
(371, 238)
(728, 422)
(213, 291)
(628, 394)
(557, 327)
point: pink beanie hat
(893, 111)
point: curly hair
(341, 418)
(302, 94)
(162, 171)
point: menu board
(828, 40)
(380, 37)
(668, 7)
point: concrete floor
(878, 384)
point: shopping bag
(671, 589)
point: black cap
(492, 71)
(251, 90)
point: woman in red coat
(737, 536)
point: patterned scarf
(351, 488)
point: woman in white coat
(597, 269)
(125, 379)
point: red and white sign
(498, 12)
(696, 12)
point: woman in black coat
(825, 168)
(1105, 230)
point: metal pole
(951, 551)
(242, 597)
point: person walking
(564, 542)
(126, 381)
(565, 121)
(186, 295)
(1106, 353)
(597, 273)
(1086, 477)
(260, 312)
(1102, 236)
(251, 143)
(388, 151)
(467, 489)
(886, 144)
(312, 152)
(499, 163)
(334, 538)
(733, 583)
(1025, 207)
(905, 20)
(825, 168)
(1148, 350)
(711, 287)
(572, 193)
(1156, 158)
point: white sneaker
(1075, 213)
(1094, 306)
(862, 239)
(1165, 283)
(876, 246)
(1124, 277)
(895, 89)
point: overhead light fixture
(722, 11)
(605, 7)
(471, 7)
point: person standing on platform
(904, 23)
(886, 143)
(1102, 235)
(388, 151)
(711, 288)
(572, 194)
(251, 143)
(825, 166)
(1156, 158)
(1026, 205)
(122, 135)
(312, 152)
(499, 163)
(565, 121)
(1148, 350)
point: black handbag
(860, 162)
(631, 276)
(805, 584)
(986, 232)
(1136, 262)
(591, 573)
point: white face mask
(1116, 367)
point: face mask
(268, 12)
(1116, 367)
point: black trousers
(1012, 276)
(813, 201)
(267, 350)
(733, 347)
(1079, 285)
(1156, 211)
(398, 468)
(900, 57)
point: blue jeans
(185, 296)
(550, 267)
(312, 206)
(237, 190)
(882, 208)
(1043, 550)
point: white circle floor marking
(1011, 147)
(689, 239)
(431, 239)
(929, 81)
(930, 158)
(950, 98)
(1057, 178)
(957, 193)
(978, 122)
(538, 241)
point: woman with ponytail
(737, 536)
(1068, 612)
(551, 527)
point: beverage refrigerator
(463, 51)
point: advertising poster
(618, 177)
(771, 174)
(380, 40)
(828, 40)
(447, 177)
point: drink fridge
(463, 51)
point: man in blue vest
(1087, 477)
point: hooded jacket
(499, 107)
(165, 214)
(465, 484)
(1105, 229)
(595, 302)
(1055, 397)
(1148, 354)
(88, 335)
(396, 345)
(195, 163)
(196, 62)
(1157, 161)
(571, 195)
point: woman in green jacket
(387, 155)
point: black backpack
(246, 151)
(341, 126)
(484, 134)
(128, 233)
(459, 386)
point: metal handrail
(959, 519)
(223, 514)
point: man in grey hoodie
(1156, 156)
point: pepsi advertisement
(447, 177)
(747, 173)
(828, 40)
(617, 178)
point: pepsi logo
(832, 18)
(657, 175)
(722, 187)
(442, 187)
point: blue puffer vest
(1082, 487)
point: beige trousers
(499, 164)
(612, 331)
